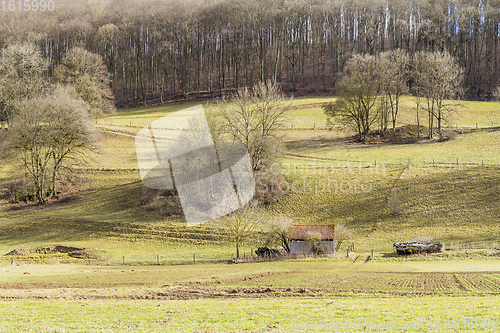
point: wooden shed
(299, 234)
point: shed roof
(300, 232)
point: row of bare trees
(370, 88)
(156, 49)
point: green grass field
(443, 314)
(257, 297)
(329, 179)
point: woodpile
(417, 247)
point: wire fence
(291, 125)
(133, 260)
(429, 161)
(433, 162)
(245, 257)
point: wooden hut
(299, 235)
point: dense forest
(158, 50)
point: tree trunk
(54, 176)
(439, 127)
(418, 119)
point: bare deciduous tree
(279, 232)
(72, 134)
(313, 239)
(47, 133)
(22, 75)
(358, 92)
(393, 70)
(175, 48)
(439, 77)
(252, 117)
(86, 72)
(31, 141)
(342, 235)
(240, 226)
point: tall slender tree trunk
(418, 118)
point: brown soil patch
(182, 293)
(75, 252)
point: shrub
(278, 233)
(162, 202)
(315, 243)
(20, 191)
(268, 188)
(342, 235)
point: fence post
(372, 254)
(194, 257)
(124, 260)
(12, 262)
(157, 259)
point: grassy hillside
(330, 178)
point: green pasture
(83, 298)
(397, 314)
(328, 179)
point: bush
(162, 202)
(342, 235)
(268, 188)
(277, 236)
(316, 244)
(20, 191)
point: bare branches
(253, 117)
(439, 77)
(240, 226)
(371, 87)
(49, 133)
(278, 233)
(342, 235)
(161, 49)
(87, 73)
(22, 75)
(394, 72)
(358, 92)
